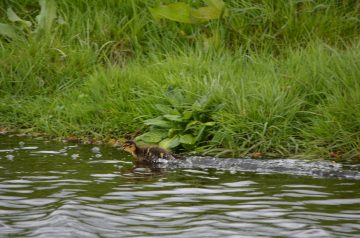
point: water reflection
(45, 192)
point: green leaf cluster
(181, 125)
(183, 12)
(21, 27)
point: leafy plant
(181, 125)
(183, 12)
(44, 21)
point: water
(50, 189)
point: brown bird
(147, 153)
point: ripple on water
(30, 148)
(53, 152)
(37, 201)
(334, 201)
(57, 196)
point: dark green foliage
(41, 27)
(286, 74)
(181, 123)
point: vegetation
(270, 77)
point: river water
(53, 189)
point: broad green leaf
(158, 122)
(187, 139)
(175, 97)
(47, 15)
(187, 114)
(203, 14)
(201, 103)
(192, 124)
(178, 11)
(165, 109)
(170, 117)
(169, 143)
(219, 4)
(15, 18)
(7, 31)
(172, 132)
(210, 123)
(152, 136)
(182, 12)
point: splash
(318, 168)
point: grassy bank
(279, 78)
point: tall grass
(286, 73)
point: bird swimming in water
(147, 153)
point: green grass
(286, 74)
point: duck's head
(129, 146)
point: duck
(149, 153)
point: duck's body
(147, 153)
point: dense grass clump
(276, 77)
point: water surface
(51, 189)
